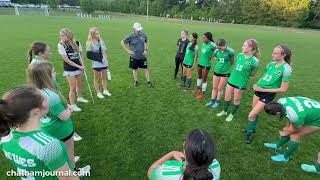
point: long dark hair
(209, 36)
(200, 151)
(15, 107)
(36, 49)
(287, 52)
(273, 108)
(193, 45)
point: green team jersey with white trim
(224, 60)
(51, 123)
(35, 151)
(207, 54)
(274, 76)
(173, 170)
(190, 54)
(301, 110)
(242, 70)
(37, 60)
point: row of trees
(299, 13)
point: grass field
(124, 134)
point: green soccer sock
(235, 109)
(317, 165)
(189, 82)
(283, 140)
(251, 126)
(213, 101)
(218, 101)
(292, 146)
(184, 79)
(226, 106)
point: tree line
(297, 13)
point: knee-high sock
(204, 87)
(317, 165)
(199, 82)
(235, 109)
(251, 126)
(184, 78)
(283, 140)
(292, 146)
(189, 82)
(226, 106)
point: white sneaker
(100, 96)
(222, 113)
(83, 100)
(76, 159)
(75, 108)
(107, 93)
(230, 117)
(76, 137)
(85, 171)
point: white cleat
(230, 117)
(76, 159)
(82, 100)
(76, 137)
(100, 96)
(107, 93)
(85, 171)
(222, 113)
(75, 108)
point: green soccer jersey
(37, 60)
(207, 54)
(173, 170)
(35, 151)
(274, 76)
(301, 111)
(242, 70)
(51, 123)
(224, 60)
(190, 54)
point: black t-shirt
(182, 46)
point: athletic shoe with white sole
(107, 93)
(76, 137)
(215, 105)
(76, 159)
(279, 158)
(84, 171)
(222, 113)
(100, 96)
(209, 104)
(75, 108)
(309, 168)
(82, 100)
(271, 146)
(230, 117)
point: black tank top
(73, 56)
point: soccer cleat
(76, 159)
(197, 91)
(215, 105)
(309, 168)
(83, 171)
(174, 77)
(222, 113)
(187, 89)
(201, 96)
(76, 137)
(75, 108)
(82, 100)
(271, 146)
(135, 84)
(150, 84)
(248, 139)
(183, 85)
(279, 158)
(230, 117)
(209, 104)
(244, 130)
(100, 96)
(107, 93)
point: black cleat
(150, 84)
(135, 84)
(174, 77)
(248, 139)
(244, 130)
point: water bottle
(109, 75)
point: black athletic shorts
(265, 97)
(237, 87)
(221, 75)
(68, 137)
(187, 66)
(138, 63)
(100, 69)
(204, 67)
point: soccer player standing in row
(274, 80)
(57, 122)
(190, 61)
(96, 44)
(247, 64)
(73, 66)
(224, 57)
(204, 64)
(27, 146)
(182, 47)
(304, 119)
(39, 52)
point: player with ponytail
(39, 52)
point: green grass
(124, 134)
